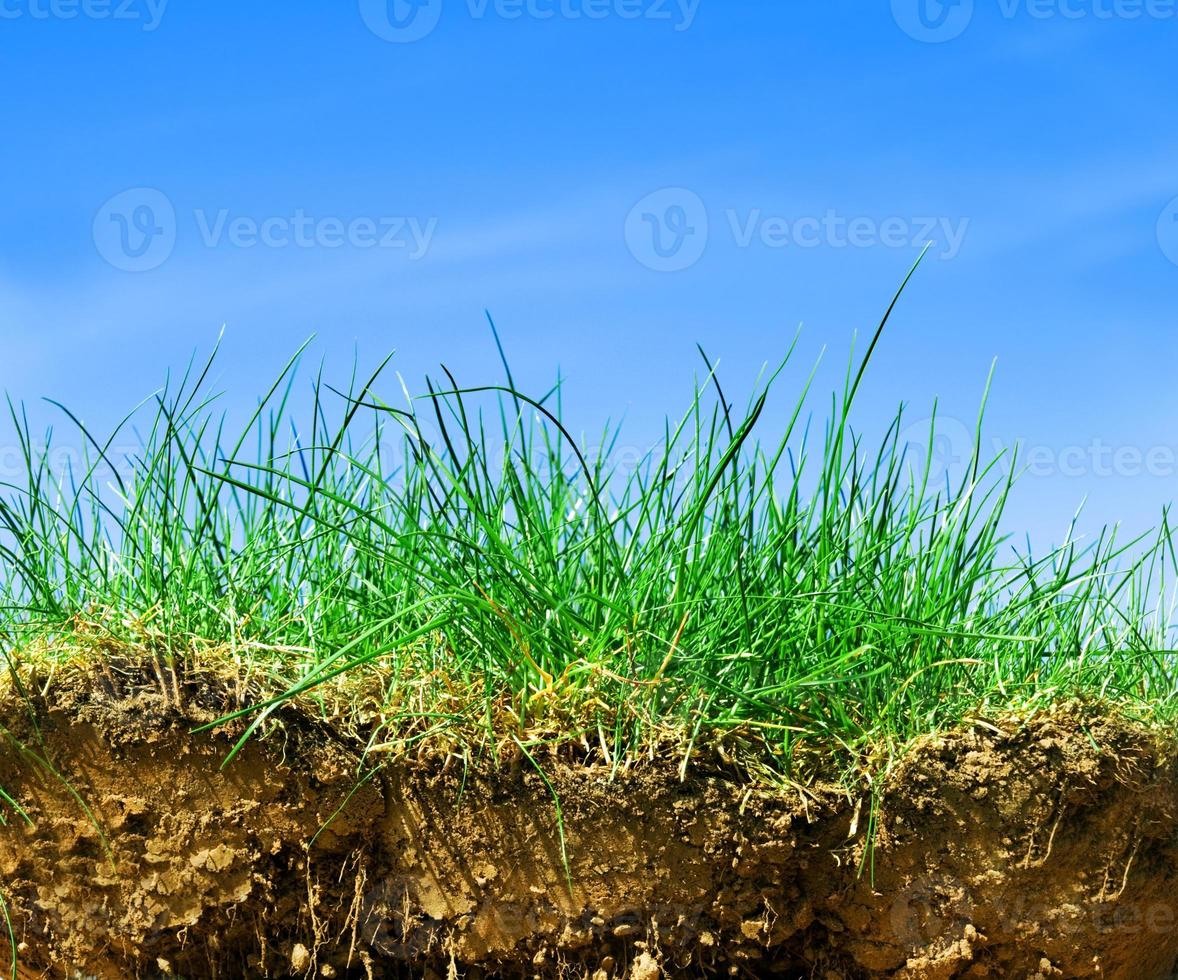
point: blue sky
(614, 180)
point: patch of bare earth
(1046, 849)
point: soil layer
(1036, 849)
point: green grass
(491, 581)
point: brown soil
(1024, 850)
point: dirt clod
(645, 967)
